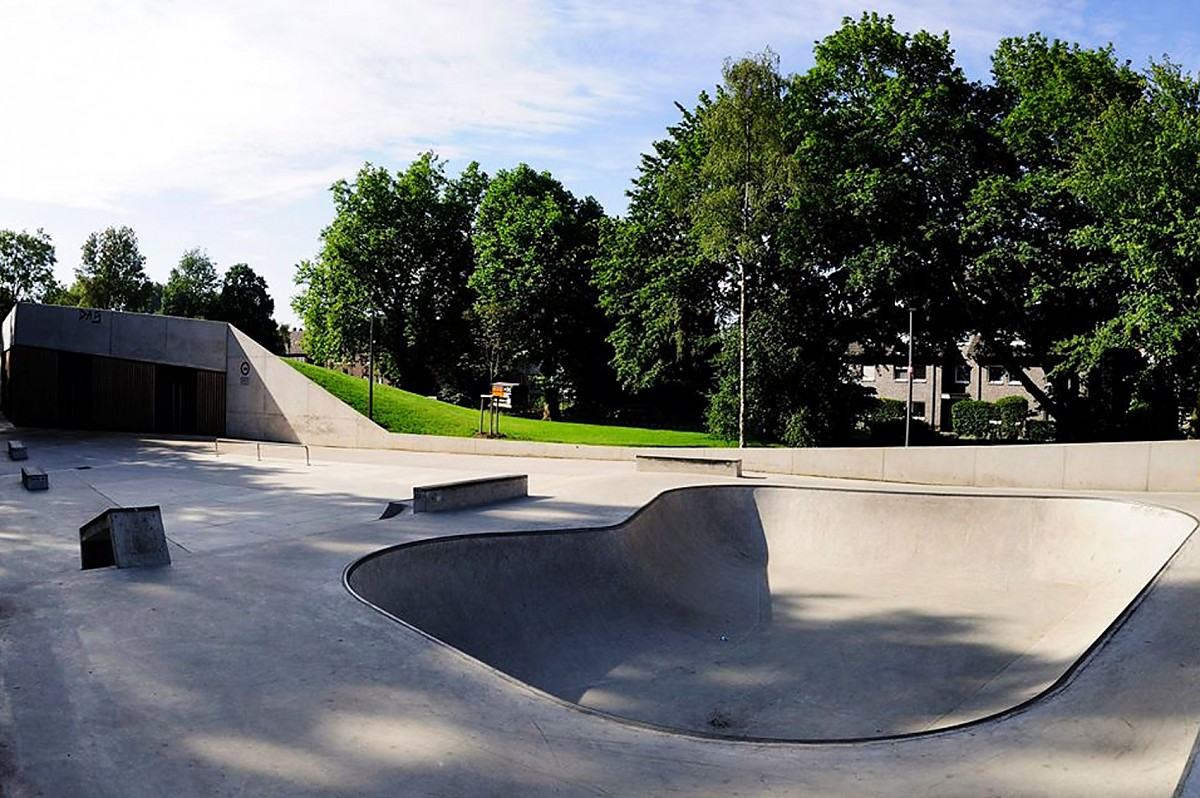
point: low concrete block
(34, 478)
(127, 537)
(690, 465)
(469, 493)
(17, 451)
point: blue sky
(221, 123)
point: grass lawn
(401, 411)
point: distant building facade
(938, 386)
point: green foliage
(402, 411)
(659, 292)
(1012, 412)
(192, 289)
(399, 250)
(1031, 278)
(26, 269)
(534, 242)
(1039, 430)
(888, 410)
(245, 303)
(973, 419)
(890, 139)
(112, 274)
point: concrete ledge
(17, 451)
(689, 465)
(469, 493)
(34, 478)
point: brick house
(936, 387)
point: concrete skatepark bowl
(791, 614)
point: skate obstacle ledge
(469, 493)
(690, 465)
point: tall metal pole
(742, 355)
(908, 407)
(371, 373)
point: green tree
(26, 268)
(747, 173)
(1031, 281)
(112, 273)
(192, 289)
(245, 303)
(399, 249)
(1138, 173)
(534, 242)
(892, 139)
(661, 294)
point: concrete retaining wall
(266, 399)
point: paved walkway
(247, 669)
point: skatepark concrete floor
(247, 668)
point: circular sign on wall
(245, 368)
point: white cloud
(253, 99)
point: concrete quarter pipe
(782, 613)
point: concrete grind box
(127, 537)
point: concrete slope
(785, 613)
(266, 399)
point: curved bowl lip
(1057, 686)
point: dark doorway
(74, 391)
(174, 400)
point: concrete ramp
(789, 613)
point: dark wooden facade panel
(123, 392)
(47, 388)
(210, 403)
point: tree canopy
(245, 303)
(398, 250)
(112, 274)
(26, 268)
(193, 287)
(534, 243)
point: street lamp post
(371, 372)
(909, 405)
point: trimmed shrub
(1039, 431)
(887, 410)
(972, 418)
(1012, 411)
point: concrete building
(937, 386)
(82, 368)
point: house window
(868, 373)
(996, 375)
(918, 410)
(901, 373)
(1012, 380)
(962, 374)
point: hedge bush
(1012, 412)
(887, 410)
(1039, 431)
(971, 418)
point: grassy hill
(401, 411)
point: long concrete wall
(1172, 466)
